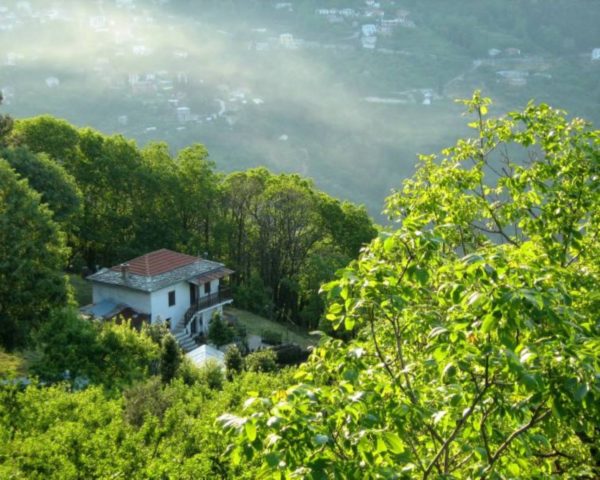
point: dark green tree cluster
(116, 201)
(33, 255)
(475, 324)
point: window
(207, 288)
(171, 298)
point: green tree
(219, 332)
(6, 124)
(475, 323)
(170, 358)
(234, 363)
(46, 134)
(57, 188)
(198, 197)
(33, 254)
(105, 353)
(212, 375)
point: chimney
(125, 271)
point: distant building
(284, 6)
(369, 42)
(141, 50)
(287, 40)
(595, 54)
(52, 82)
(369, 30)
(514, 78)
(184, 114)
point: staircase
(186, 342)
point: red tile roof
(155, 263)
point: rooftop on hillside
(160, 269)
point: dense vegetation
(475, 324)
(470, 330)
(113, 201)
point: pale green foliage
(152, 431)
(475, 322)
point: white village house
(182, 291)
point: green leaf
(489, 323)
(581, 392)
(250, 430)
(272, 459)
(393, 442)
(349, 323)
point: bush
(211, 374)
(290, 354)
(170, 358)
(261, 361)
(271, 337)
(105, 353)
(219, 333)
(148, 398)
(189, 374)
(234, 363)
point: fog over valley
(345, 92)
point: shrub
(234, 363)
(262, 361)
(219, 333)
(170, 358)
(211, 374)
(271, 337)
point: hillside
(284, 85)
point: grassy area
(256, 325)
(82, 288)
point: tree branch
(536, 418)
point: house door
(193, 293)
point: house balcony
(221, 297)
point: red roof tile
(155, 263)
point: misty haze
(347, 93)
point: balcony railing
(223, 295)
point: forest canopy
(113, 201)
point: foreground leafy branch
(475, 327)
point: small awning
(212, 275)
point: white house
(180, 290)
(596, 54)
(368, 30)
(287, 40)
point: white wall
(214, 288)
(157, 303)
(137, 300)
(160, 303)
